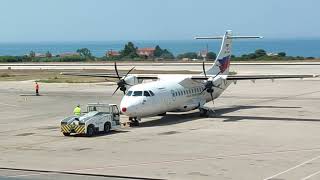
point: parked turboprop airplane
(180, 93)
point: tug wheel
(90, 131)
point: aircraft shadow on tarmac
(171, 119)
(220, 114)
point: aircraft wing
(110, 75)
(194, 77)
(256, 77)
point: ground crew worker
(77, 111)
(37, 89)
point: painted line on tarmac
(292, 168)
(77, 174)
(26, 175)
(12, 105)
(311, 175)
(193, 159)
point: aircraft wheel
(204, 113)
(66, 134)
(134, 123)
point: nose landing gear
(134, 121)
(206, 112)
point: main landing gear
(206, 112)
(134, 121)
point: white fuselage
(176, 93)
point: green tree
(189, 55)
(85, 52)
(129, 51)
(282, 54)
(211, 55)
(163, 53)
(167, 55)
(32, 54)
(48, 54)
(158, 51)
(260, 52)
(254, 55)
(310, 57)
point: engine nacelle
(132, 80)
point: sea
(293, 47)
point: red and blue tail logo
(224, 63)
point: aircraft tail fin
(222, 62)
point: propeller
(122, 83)
(208, 86)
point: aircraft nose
(130, 108)
(124, 109)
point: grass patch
(5, 75)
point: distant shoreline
(101, 63)
(293, 47)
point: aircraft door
(173, 94)
(166, 97)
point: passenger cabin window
(137, 93)
(129, 93)
(146, 93)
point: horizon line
(149, 40)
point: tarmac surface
(263, 130)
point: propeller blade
(203, 90)
(116, 68)
(212, 98)
(204, 69)
(129, 72)
(116, 90)
(217, 75)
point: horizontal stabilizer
(231, 37)
(213, 37)
(256, 77)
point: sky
(113, 20)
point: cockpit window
(146, 93)
(152, 94)
(129, 93)
(137, 93)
